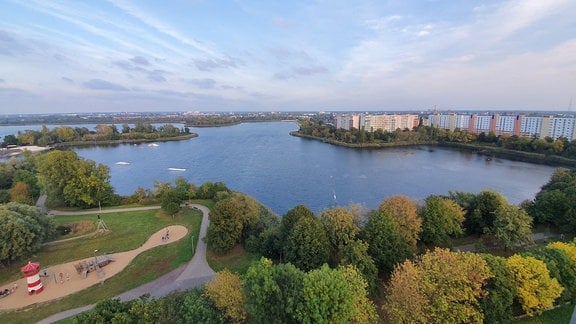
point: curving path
(193, 274)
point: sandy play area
(70, 281)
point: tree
(74, 181)
(228, 219)
(198, 309)
(23, 230)
(536, 290)
(386, 245)
(272, 292)
(441, 219)
(512, 226)
(30, 179)
(554, 203)
(307, 246)
(441, 287)
(405, 214)
(225, 291)
(171, 201)
(356, 254)
(558, 264)
(501, 291)
(20, 193)
(335, 296)
(341, 229)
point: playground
(67, 278)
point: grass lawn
(237, 260)
(559, 315)
(128, 231)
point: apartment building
(374, 122)
(520, 125)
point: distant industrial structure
(519, 125)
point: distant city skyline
(199, 55)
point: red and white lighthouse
(32, 273)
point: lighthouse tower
(32, 273)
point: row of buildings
(499, 124)
(374, 122)
(519, 125)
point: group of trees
(22, 230)
(439, 286)
(374, 242)
(70, 180)
(321, 128)
(554, 204)
(18, 182)
(266, 293)
(102, 132)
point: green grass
(128, 231)
(559, 315)
(236, 260)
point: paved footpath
(190, 275)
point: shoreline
(488, 151)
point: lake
(282, 171)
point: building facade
(519, 125)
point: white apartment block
(505, 124)
(531, 126)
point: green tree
(74, 181)
(501, 291)
(559, 266)
(441, 219)
(512, 226)
(307, 246)
(356, 254)
(171, 201)
(30, 179)
(272, 292)
(386, 245)
(23, 231)
(228, 219)
(199, 309)
(554, 203)
(341, 229)
(335, 296)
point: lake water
(282, 171)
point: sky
(272, 55)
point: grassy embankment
(128, 231)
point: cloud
(283, 54)
(211, 64)
(300, 71)
(2, 80)
(202, 83)
(9, 45)
(99, 84)
(161, 27)
(67, 79)
(157, 76)
(140, 60)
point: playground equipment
(91, 265)
(101, 225)
(32, 273)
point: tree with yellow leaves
(441, 287)
(225, 291)
(537, 291)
